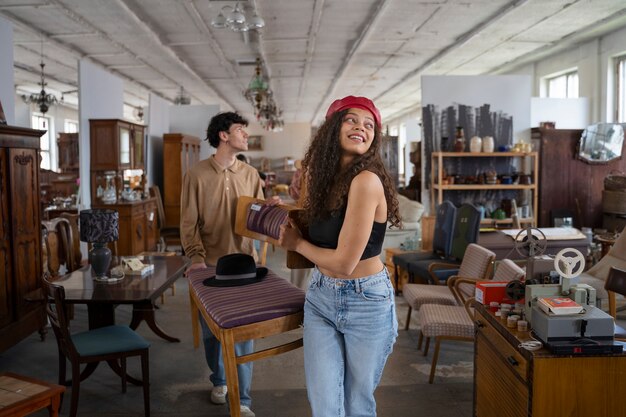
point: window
(563, 85)
(43, 123)
(620, 66)
(71, 126)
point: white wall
(594, 62)
(194, 120)
(566, 113)
(7, 87)
(100, 96)
(293, 141)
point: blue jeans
(350, 327)
(213, 354)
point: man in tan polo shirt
(207, 223)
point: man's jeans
(350, 327)
(213, 354)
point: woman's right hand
(289, 235)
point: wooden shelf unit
(180, 153)
(437, 187)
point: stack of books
(559, 305)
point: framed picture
(3, 119)
(255, 143)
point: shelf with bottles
(110, 187)
(488, 179)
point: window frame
(620, 88)
(567, 77)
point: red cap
(352, 102)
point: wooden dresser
(139, 230)
(20, 236)
(180, 152)
(511, 381)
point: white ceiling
(313, 50)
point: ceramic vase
(476, 144)
(488, 144)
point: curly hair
(328, 183)
(222, 122)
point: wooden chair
(110, 343)
(277, 308)
(74, 235)
(447, 322)
(476, 264)
(616, 284)
(56, 242)
(167, 234)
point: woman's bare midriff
(364, 268)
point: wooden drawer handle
(512, 361)
(479, 324)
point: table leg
(145, 311)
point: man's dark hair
(222, 122)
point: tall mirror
(601, 143)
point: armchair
(476, 265)
(597, 274)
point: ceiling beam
(458, 43)
(316, 19)
(369, 26)
(72, 50)
(141, 20)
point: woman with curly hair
(349, 315)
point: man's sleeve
(189, 220)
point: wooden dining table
(141, 292)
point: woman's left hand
(289, 235)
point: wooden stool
(236, 314)
(21, 395)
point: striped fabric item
(441, 320)
(266, 219)
(508, 271)
(474, 262)
(237, 306)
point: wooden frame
(294, 259)
(255, 143)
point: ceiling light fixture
(235, 19)
(261, 97)
(43, 99)
(182, 98)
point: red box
(489, 291)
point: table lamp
(98, 227)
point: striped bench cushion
(237, 306)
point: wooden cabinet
(138, 226)
(486, 161)
(20, 236)
(389, 152)
(116, 145)
(180, 152)
(566, 181)
(513, 382)
(69, 158)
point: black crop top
(325, 234)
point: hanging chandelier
(182, 98)
(236, 20)
(258, 88)
(43, 100)
(260, 96)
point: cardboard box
(489, 291)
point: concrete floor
(180, 378)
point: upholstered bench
(236, 314)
